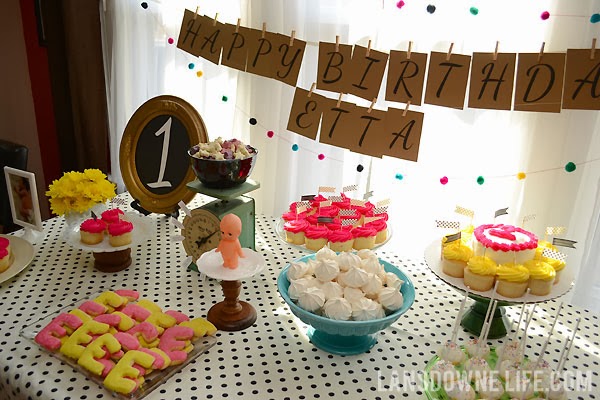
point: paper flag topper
(555, 255)
(308, 197)
(382, 203)
(324, 220)
(325, 203)
(326, 189)
(452, 238)
(350, 188)
(564, 242)
(368, 195)
(347, 222)
(379, 210)
(302, 203)
(335, 198)
(555, 230)
(346, 213)
(371, 219)
(447, 224)
(528, 218)
(464, 211)
(300, 209)
(502, 211)
(355, 202)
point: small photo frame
(22, 194)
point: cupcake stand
(106, 257)
(473, 318)
(231, 314)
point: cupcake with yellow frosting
(541, 277)
(513, 280)
(480, 273)
(558, 265)
(454, 258)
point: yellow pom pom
(521, 176)
(199, 74)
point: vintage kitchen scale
(201, 228)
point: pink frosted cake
(504, 243)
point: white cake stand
(231, 314)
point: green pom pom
(570, 167)
(399, 177)
(224, 98)
(474, 10)
(480, 180)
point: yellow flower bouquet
(77, 192)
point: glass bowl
(222, 174)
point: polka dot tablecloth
(273, 359)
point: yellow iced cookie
(111, 300)
(201, 327)
(124, 378)
(72, 347)
(97, 349)
(149, 305)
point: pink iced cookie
(173, 342)
(146, 330)
(110, 319)
(93, 308)
(178, 315)
(108, 365)
(128, 341)
(49, 336)
(136, 312)
(130, 295)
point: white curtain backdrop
(458, 144)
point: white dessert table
(272, 359)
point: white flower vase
(74, 219)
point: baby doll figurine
(229, 246)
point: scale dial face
(201, 232)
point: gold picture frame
(160, 125)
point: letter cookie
(173, 342)
(111, 300)
(99, 349)
(72, 347)
(124, 378)
(201, 327)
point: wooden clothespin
(237, 27)
(337, 43)
(593, 52)
(339, 101)
(215, 20)
(292, 36)
(196, 12)
(368, 48)
(406, 109)
(409, 50)
(312, 88)
(371, 106)
(495, 56)
(264, 29)
(449, 51)
(541, 51)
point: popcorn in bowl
(219, 149)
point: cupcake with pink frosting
(294, 231)
(382, 230)
(119, 233)
(364, 237)
(316, 237)
(341, 240)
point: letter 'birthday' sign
(157, 134)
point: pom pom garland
(570, 167)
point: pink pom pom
(444, 180)
(545, 15)
(170, 41)
(321, 156)
(270, 134)
(400, 4)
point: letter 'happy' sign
(153, 168)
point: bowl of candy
(222, 163)
(346, 322)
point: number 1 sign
(153, 152)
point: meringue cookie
(366, 253)
(391, 299)
(366, 309)
(392, 280)
(332, 290)
(325, 253)
(354, 277)
(352, 294)
(373, 286)
(327, 270)
(347, 260)
(299, 286)
(372, 265)
(312, 299)
(338, 308)
(297, 270)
